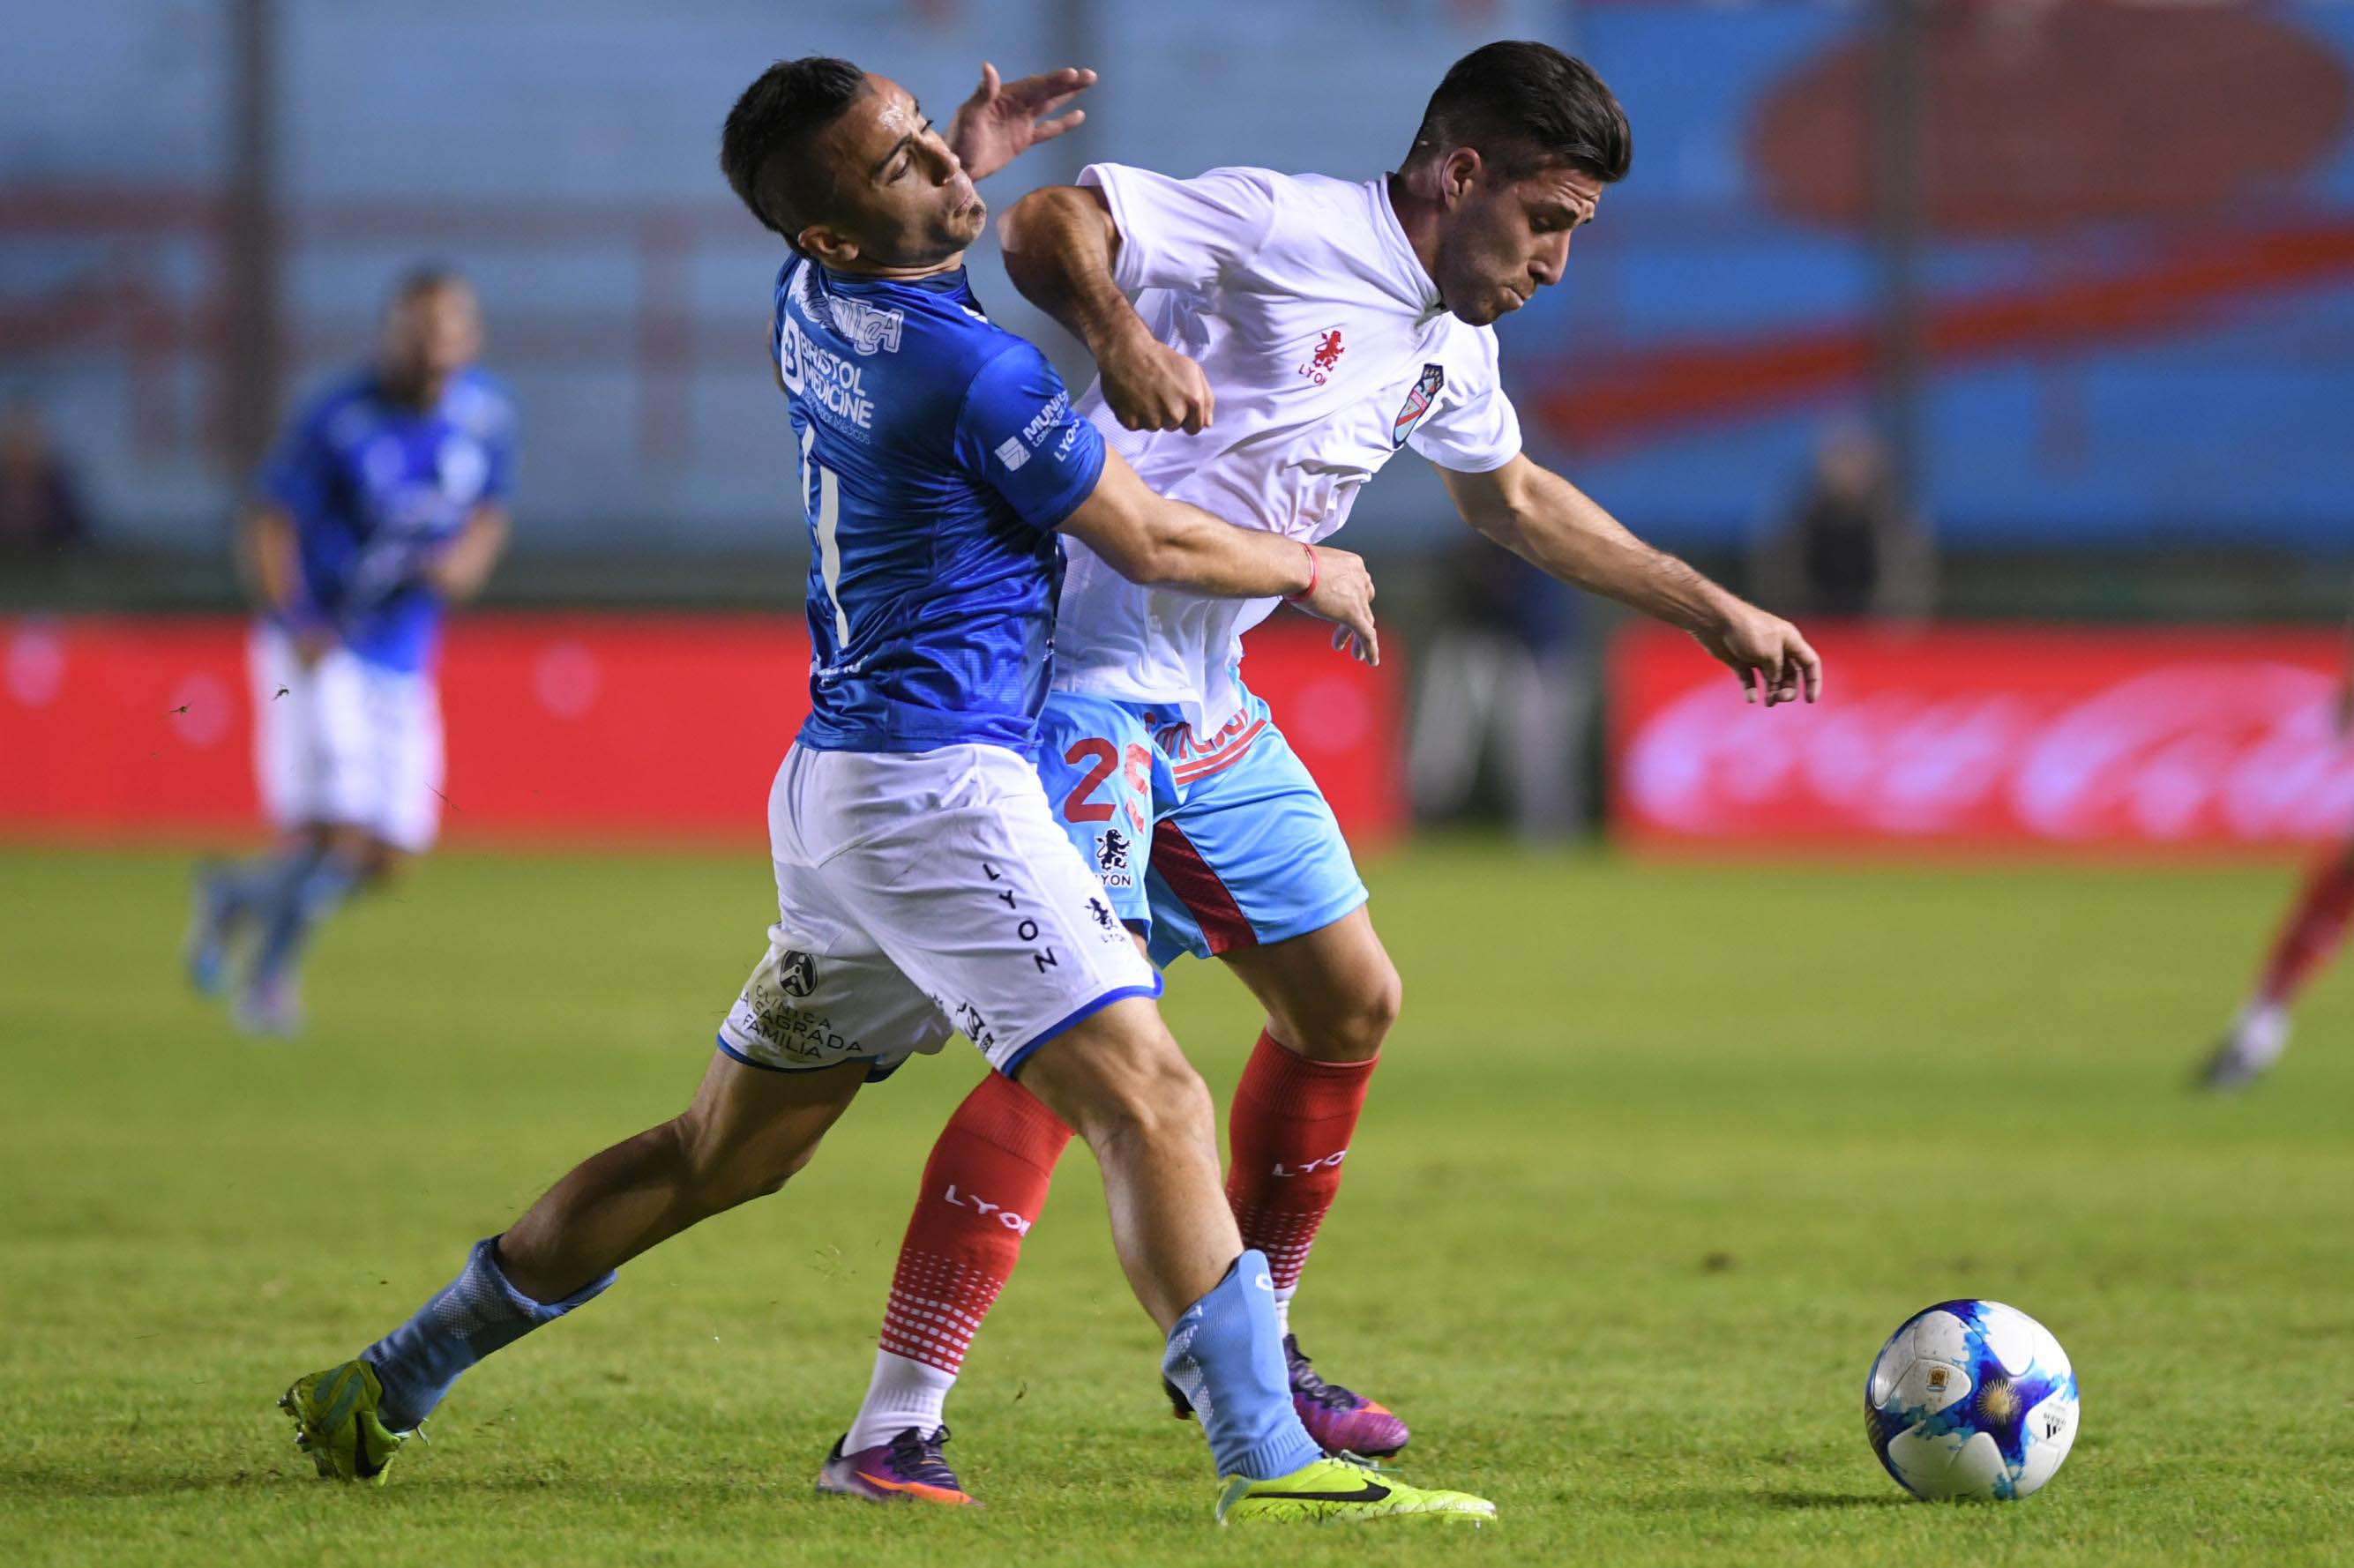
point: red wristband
(1315, 570)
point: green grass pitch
(1659, 1155)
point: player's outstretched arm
(1058, 244)
(1148, 538)
(1549, 522)
(1003, 119)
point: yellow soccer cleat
(335, 1422)
(1342, 1491)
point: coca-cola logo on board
(2244, 750)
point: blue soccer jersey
(377, 489)
(938, 454)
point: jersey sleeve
(1018, 432)
(1477, 432)
(300, 470)
(1182, 233)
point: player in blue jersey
(923, 884)
(385, 502)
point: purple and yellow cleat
(908, 1468)
(1342, 1420)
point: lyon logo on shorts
(1417, 403)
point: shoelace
(918, 1457)
(1307, 1384)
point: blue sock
(474, 1314)
(1225, 1355)
(299, 900)
(250, 887)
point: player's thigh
(824, 993)
(955, 867)
(1097, 765)
(343, 763)
(1120, 1071)
(284, 745)
(403, 739)
(1251, 855)
(1330, 994)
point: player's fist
(1764, 652)
(1343, 593)
(1149, 386)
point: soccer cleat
(1342, 1491)
(2253, 1043)
(210, 925)
(268, 1007)
(335, 1422)
(1341, 1420)
(908, 1468)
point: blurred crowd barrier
(2016, 739)
(572, 729)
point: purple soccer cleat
(908, 1468)
(1341, 1420)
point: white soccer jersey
(1325, 349)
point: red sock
(1288, 1130)
(2315, 929)
(983, 1186)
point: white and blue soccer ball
(1971, 1399)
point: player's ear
(1457, 173)
(828, 245)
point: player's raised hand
(1764, 652)
(1343, 593)
(1003, 119)
(1150, 387)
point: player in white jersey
(1288, 334)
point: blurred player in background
(386, 504)
(923, 885)
(2314, 932)
(1290, 334)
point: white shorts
(348, 742)
(919, 895)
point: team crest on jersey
(867, 327)
(1318, 364)
(1112, 851)
(1417, 403)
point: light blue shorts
(1204, 847)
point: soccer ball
(1971, 1399)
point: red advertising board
(562, 729)
(2141, 740)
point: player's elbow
(1033, 223)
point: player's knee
(1351, 1025)
(1147, 1094)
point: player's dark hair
(421, 279)
(770, 127)
(1525, 105)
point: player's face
(1502, 240)
(430, 336)
(903, 199)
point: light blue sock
(1225, 1355)
(254, 885)
(474, 1314)
(297, 904)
